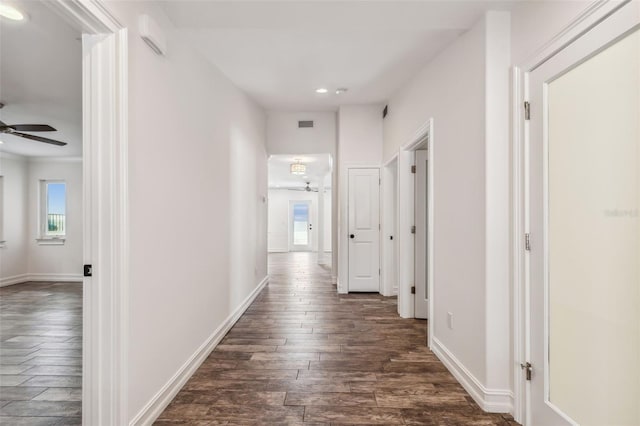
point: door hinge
(528, 369)
(527, 242)
(88, 270)
(413, 169)
(413, 289)
(379, 181)
(527, 111)
(379, 273)
(413, 229)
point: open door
(421, 263)
(583, 241)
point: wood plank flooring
(41, 354)
(303, 354)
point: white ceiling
(41, 80)
(281, 51)
(318, 167)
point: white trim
(152, 410)
(593, 15)
(278, 251)
(24, 278)
(54, 159)
(490, 400)
(14, 279)
(50, 241)
(517, 244)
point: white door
(300, 225)
(584, 258)
(364, 230)
(421, 247)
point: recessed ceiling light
(322, 90)
(1, 142)
(341, 90)
(10, 12)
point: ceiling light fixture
(298, 168)
(341, 90)
(322, 91)
(10, 12)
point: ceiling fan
(17, 129)
(306, 188)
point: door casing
(105, 210)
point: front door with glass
(300, 225)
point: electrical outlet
(450, 320)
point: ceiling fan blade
(39, 138)
(32, 128)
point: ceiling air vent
(305, 123)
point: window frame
(44, 238)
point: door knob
(352, 236)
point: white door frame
(309, 246)
(389, 216)
(105, 210)
(406, 246)
(592, 16)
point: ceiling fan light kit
(298, 168)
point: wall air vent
(305, 123)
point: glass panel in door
(300, 225)
(593, 270)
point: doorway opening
(413, 171)
(41, 217)
(299, 205)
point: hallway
(304, 354)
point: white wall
(278, 240)
(56, 261)
(454, 90)
(197, 203)
(360, 141)
(284, 136)
(14, 263)
(23, 259)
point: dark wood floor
(302, 354)
(41, 354)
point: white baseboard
(15, 279)
(152, 410)
(23, 278)
(490, 400)
(278, 251)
